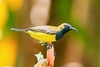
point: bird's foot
(42, 43)
(49, 45)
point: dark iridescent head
(67, 27)
(64, 28)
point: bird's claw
(42, 43)
(49, 46)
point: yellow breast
(42, 36)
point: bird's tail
(18, 29)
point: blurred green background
(81, 50)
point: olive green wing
(44, 29)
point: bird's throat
(61, 33)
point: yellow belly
(42, 36)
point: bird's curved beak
(74, 29)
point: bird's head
(67, 27)
(64, 28)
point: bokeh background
(73, 50)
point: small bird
(47, 33)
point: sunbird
(46, 34)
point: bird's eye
(68, 27)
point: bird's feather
(18, 29)
(44, 29)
